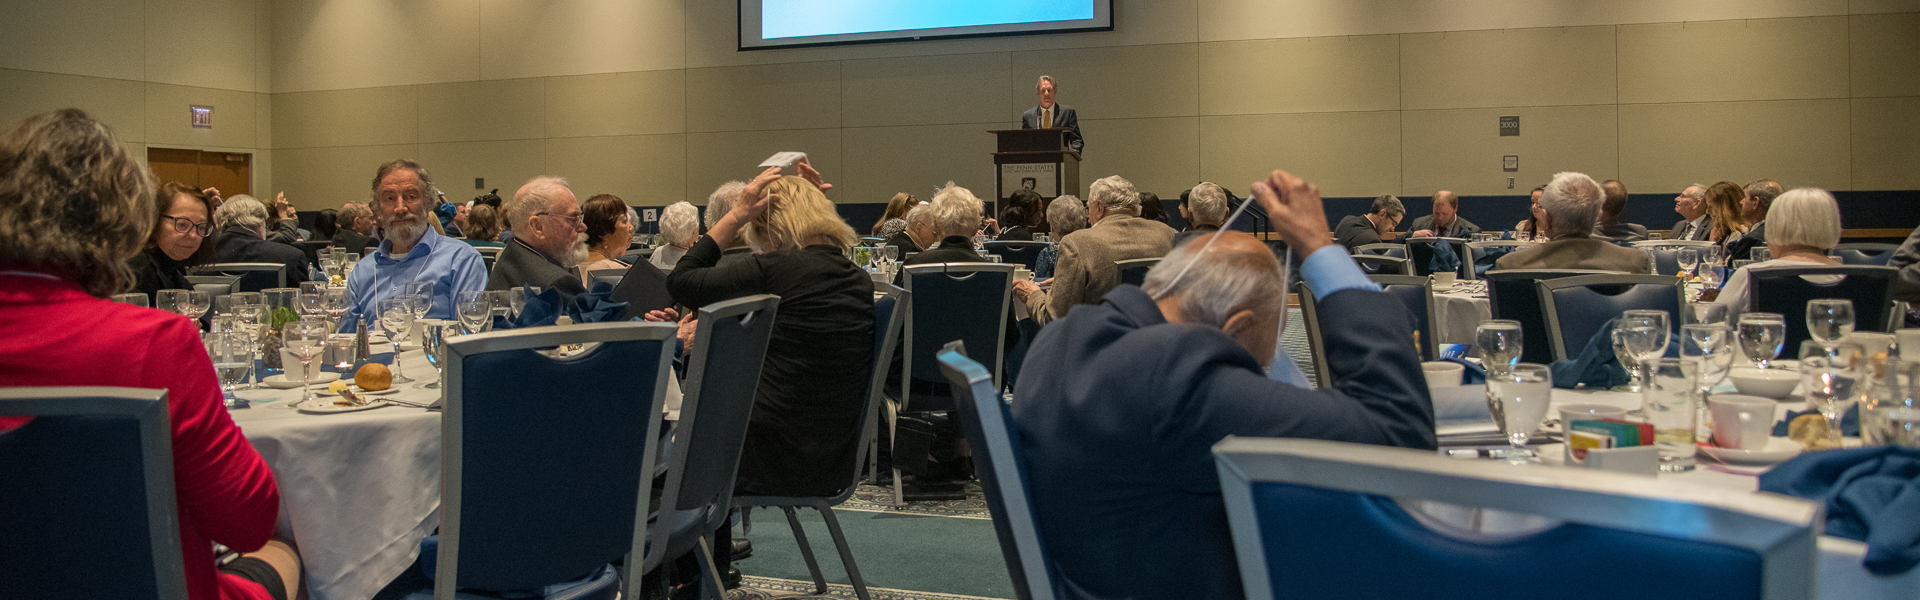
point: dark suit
(1704, 231)
(1619, 231)
(1741, 248)
(352, 241)
(520, 265)
(1017, 233)
(1355, 231)
(239, 245)
(1906, 258)
(904, 242)
(952, 248)
(1063, 117)
(1118, 410)
(1459, 228)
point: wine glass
(1834, 376)
(1706, 313)
(517, 300)
(1670, 406)
(134, 298)
(173, 301)
(1829, 319)
(312, 298)
(433, 339)
(1628, 361)
(336, 304)
(232, 354)
(1689, 260)
(1761, 336)
(501, 304)
(475, 309)
(1499, 342)
(1761, 254)
(1709, 346)
(396, 317)
(421, 291)
(304, 339)
(1521, 395)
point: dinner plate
(282, 382)
(325, 407)
(1778, 449)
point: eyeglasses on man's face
(579, 218)
(184, 225)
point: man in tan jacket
(1085, 271)
(1572, 203)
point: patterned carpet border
(764, 588)
(873, 498)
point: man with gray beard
(410, 251)
(549, 239)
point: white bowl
(1771, 383)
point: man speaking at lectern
(1051, 114)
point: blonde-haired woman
(895, 219)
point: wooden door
(230, 172)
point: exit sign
(202, 116)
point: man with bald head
(410, 251)
(1610, 226)
(1148, 380)
(1695, 223)
(550, 239)
(1445, 220)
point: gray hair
(1696, 191)
(534, 196)
(1804, 217)
(1207, 203)
(920, 214)
(1223, 284)
(1572, 201)
(241, 210)
(1764, 191)
(1066, 215)
(721, 201)
(680, 222)
(1116, 194)
(955, 211)
(428, 194)
(1389, 205)
(1046, 79)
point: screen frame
(1102, 13)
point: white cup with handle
(1741, 422)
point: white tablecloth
(1456, 315)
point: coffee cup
(1443, 374)
(1588, 412)
(1443, 281)
(1741, 422)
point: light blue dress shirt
(1328, 270)
(452, 266)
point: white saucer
(282, 382)
(324, 407)
(357, 390)
(1778, 449)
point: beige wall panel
(1299, 75)
(924, 90)
(508, 109)
(96, 38)
(543, 38)
(1885, 55)
(637, 103)
(120, 104)
(263, 121)
(315, 178)
(1113, 83)
(1553, 66)
(1346, 154)
(1460, 150)
(713, 158)
(1797, 142)
(1157, 155)
(1886, 143)
(1734, 60)
(169, 123)
(880, 161)
(643, 170)
(1254, 19)
(504, 164)
(262, 171)
(1864, 7)
(362, 117)
(202, 43)
(752, 98)
(263, 46)
(368, 43)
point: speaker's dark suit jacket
(1063, 116)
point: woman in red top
(74, 206)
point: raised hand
(812, 176)
(1295, 208)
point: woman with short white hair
(680, 223)
(1802, 225)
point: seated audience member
(893, 221)
(283, 221)
(1084, 271)
(1151, 209)
(956, 218)
(609, 233)
(412, 251)
(325, 225)
(1020, 228)
(1445, 220)
(1204, 208)
(1065, 215)
(549, 240)
(243, 230)
(919, 234)
(1695, 222)
(1723, 205)
(1609, 226)
(1355, 231)
(1033, 205)
(1806, 224)
(460, 213)
(1758, 198)
(718, 204)
(1569, 205)
(1149, 380)
(680, 223)
(58, 329)
(1533, 227)
(483, 227)
(177, 241)
(355, 228)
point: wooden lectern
(1034, 158)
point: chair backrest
(1318, 519)
(1383, 265)
(215, 285)
(1021, 253)
(1420, 251)
(1487, 253)
(513, 451)
(1785, 290)
(1864, 254)
(889, 319)
(1382, 249)
(873, 241)
(1577, 307)
(1003, 473)
(1134, 270)
(1317, 347)
(955, 301)
(1416, 293)
(488, 254)
(611, 276)
(312, 249)
(254, 277)
(90, 476)
(722, 380)
(1512, 294)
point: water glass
(475, 309)
(232, 354)
(1761, 336)
(1689, 260)
(1834, 377)
(502, 302)
(335, 302)
(173, 301)
(422, 294)
(396, 318)
(1519, 398)
(312, 300)
(134, 298)
(1706, 313)
(1646, 337)
(1829, 319)
(1762, 254)
(223, 305)
(434, 333)
(1709, 346)
(1668, 399)
(1499, 342)
(305, 339)
(1623, 353)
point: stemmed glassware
(1706, 313)
(502, 302)
(1647, 335)
(312, 300)
(475, 309)
(1689, 260)
(1521, 395)
(197, 304)
(134, 298)
(422, 291)
(396, 317)
(1761, 254)
(1834, 376)
(1623, 353)
(1829, 320)
(1669, 403)
(304, 339)
(434, 341)
(517, 299)
(1499, 342)
(1708, 345)
(173, 301)
(1761, 336)
(232, 354)
(335, 302)
(248, 308)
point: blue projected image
(803, 18)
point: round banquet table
(1457, 314)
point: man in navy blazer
(1052, 114)
(1119, 404)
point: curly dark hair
(73, 201)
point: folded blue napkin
(1595, 365)
(1444, 260)
(1871, 495)
(1849, 423)
(595, 306)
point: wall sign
(202, 116)
(1509, 126)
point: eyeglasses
(183, 225)
(576, 218)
